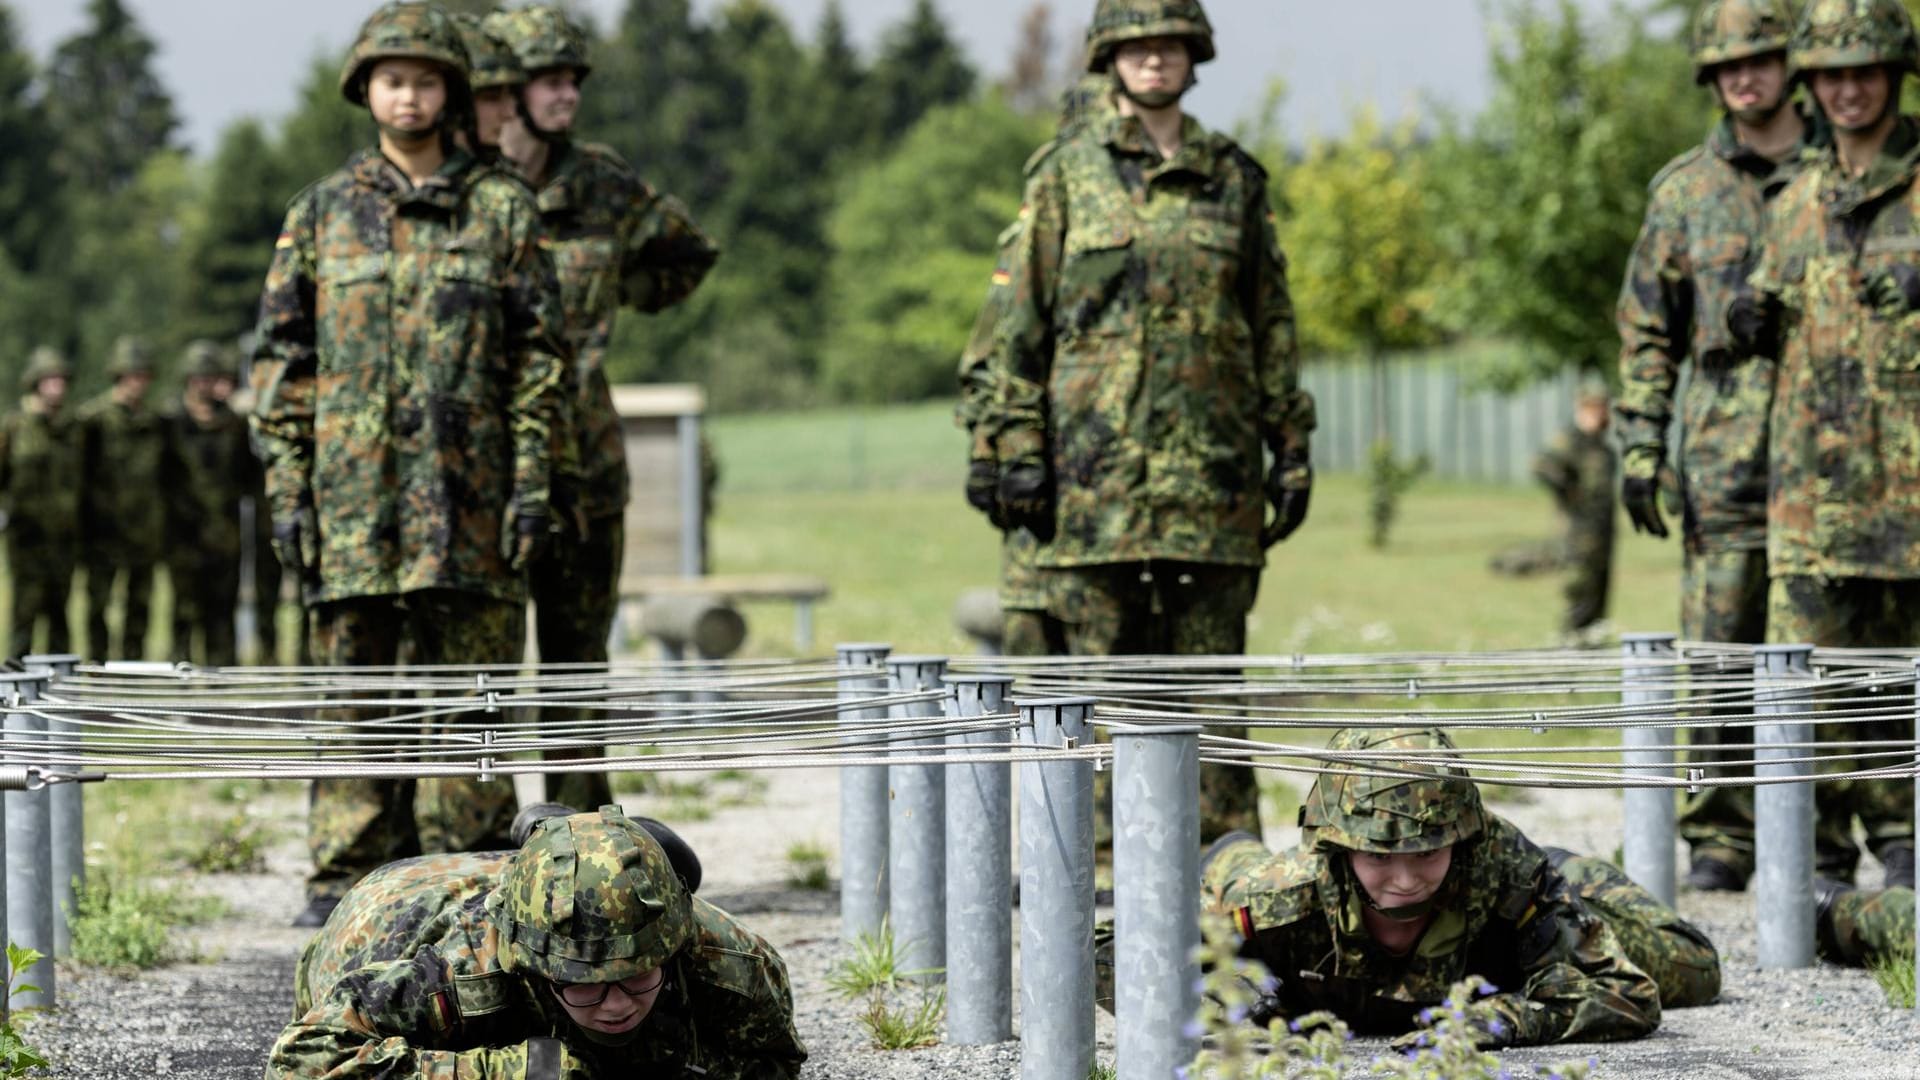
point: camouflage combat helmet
(44, 363)
(413, 30)
(1729, 30)
(130, 356)
(1853, 33)
(1116, 21)
(590, 898)
(543, 37)
(205, 359)
(1354, 810)
(493, 61)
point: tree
(1030, 84)
(657, 95)
(1543, 193)
(322, 131)
(920, 67)
(106, 103)
(30, 209)
(226, 257)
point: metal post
(1056, 895)
(693, 525)
(29, 844)
(916, 828)
(69, 818)
(1916, 774)
(863, 800)
(1156, 888)
(1647, 848)
(979, 872)
(1783, 814)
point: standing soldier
(40, 483)
(1702, 233)
(1149, 353)
(408, 376)
(217, 470)
(125, 464)
(1836, 296)
(616, 243)
(1577, 466)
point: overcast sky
(223, 59)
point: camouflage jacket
(615, 243)
(1149, 347)
(217, 470)
(1504, 913)
(127, 466)
(1844, 499)
(40, 475)
(1579, 469)
(405, 981)
(408, 375)
(1702, 233)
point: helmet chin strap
(1403, 913)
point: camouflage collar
(1128, 135)
(1893, 169)
(443, 189)
(1725, 145)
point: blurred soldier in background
(1577, 466)
(616, 243)
(1863, 927)
(127, 469)
(217, 471)
(40, 486)
(1702, 233)
(498, 82)
(1836, 298)
(408, 373)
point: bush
(123, 923)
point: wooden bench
(801, 590)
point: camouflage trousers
(206, 589)
(1723, 597)
(1589, 576)
(1852, 613)
(1863, 927)
(1164, 609)
(136, 577)
(576, 594)
(1667, 947)
(355, 825)
(42, 574)
(1032, 633)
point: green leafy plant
(1389, 477)
(908, 1028)
(126, 923)
(1100, 1070)
(873, 967)
(1894, 973)
(236, 845)
(807, 866)
(17, 1058)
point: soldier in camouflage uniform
(1577, 465)
(408, 378)
(40, 488)
(1836, 297)
(1704, 219)
(1148, 354)
(498, 81)
(1861, 928)
(1403, 885)
(127, 467)
(616, 243)
(217, 470)
(580, 956)
(1027, 628)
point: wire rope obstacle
(69, 865)
(1056, 893)
(1647, 683)
(916, 826)
(29, 832)
(1783, 814)
(979, 867)
(863, 799)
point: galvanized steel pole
(1056, 895)
(1647, 848)
(69, 818)
(863, 801)
(1783, 814)
(916, 830)
(29, 845)
(1156, 888)
(979, 872)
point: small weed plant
(1100, 1070)
(17, 1058)
(124, 923)
(807, 866)
(873, 972)
(874, 966)
(1894, 973)
(235, 845)
(908, 1028)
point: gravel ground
(215, 1019)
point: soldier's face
(1753, 89)
(621, 1010)
(1399, 880)
(406, 96)
(553, 96)
(1854, 98)
(220, 388)
(52, 390)
(1153, 67)
(492, 108)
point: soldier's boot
(316, 913)
(679, 853)
(1897, 860)
(1708, 874)
(1825, 891)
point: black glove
(983, 490)
(1895, 290)
(523, 545)
(1640, 489)
(1026, 498)
(296, 545)
(551, 1059)
(1289, 489)
(1753, 319)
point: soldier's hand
(1289, 489)
(983, 490)
(1640, 488)
(551, 1059)
(1753, 319)
(526, 542)
(1895, 290)
(296, 544)
(1026, 498)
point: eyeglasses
(587, 995)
